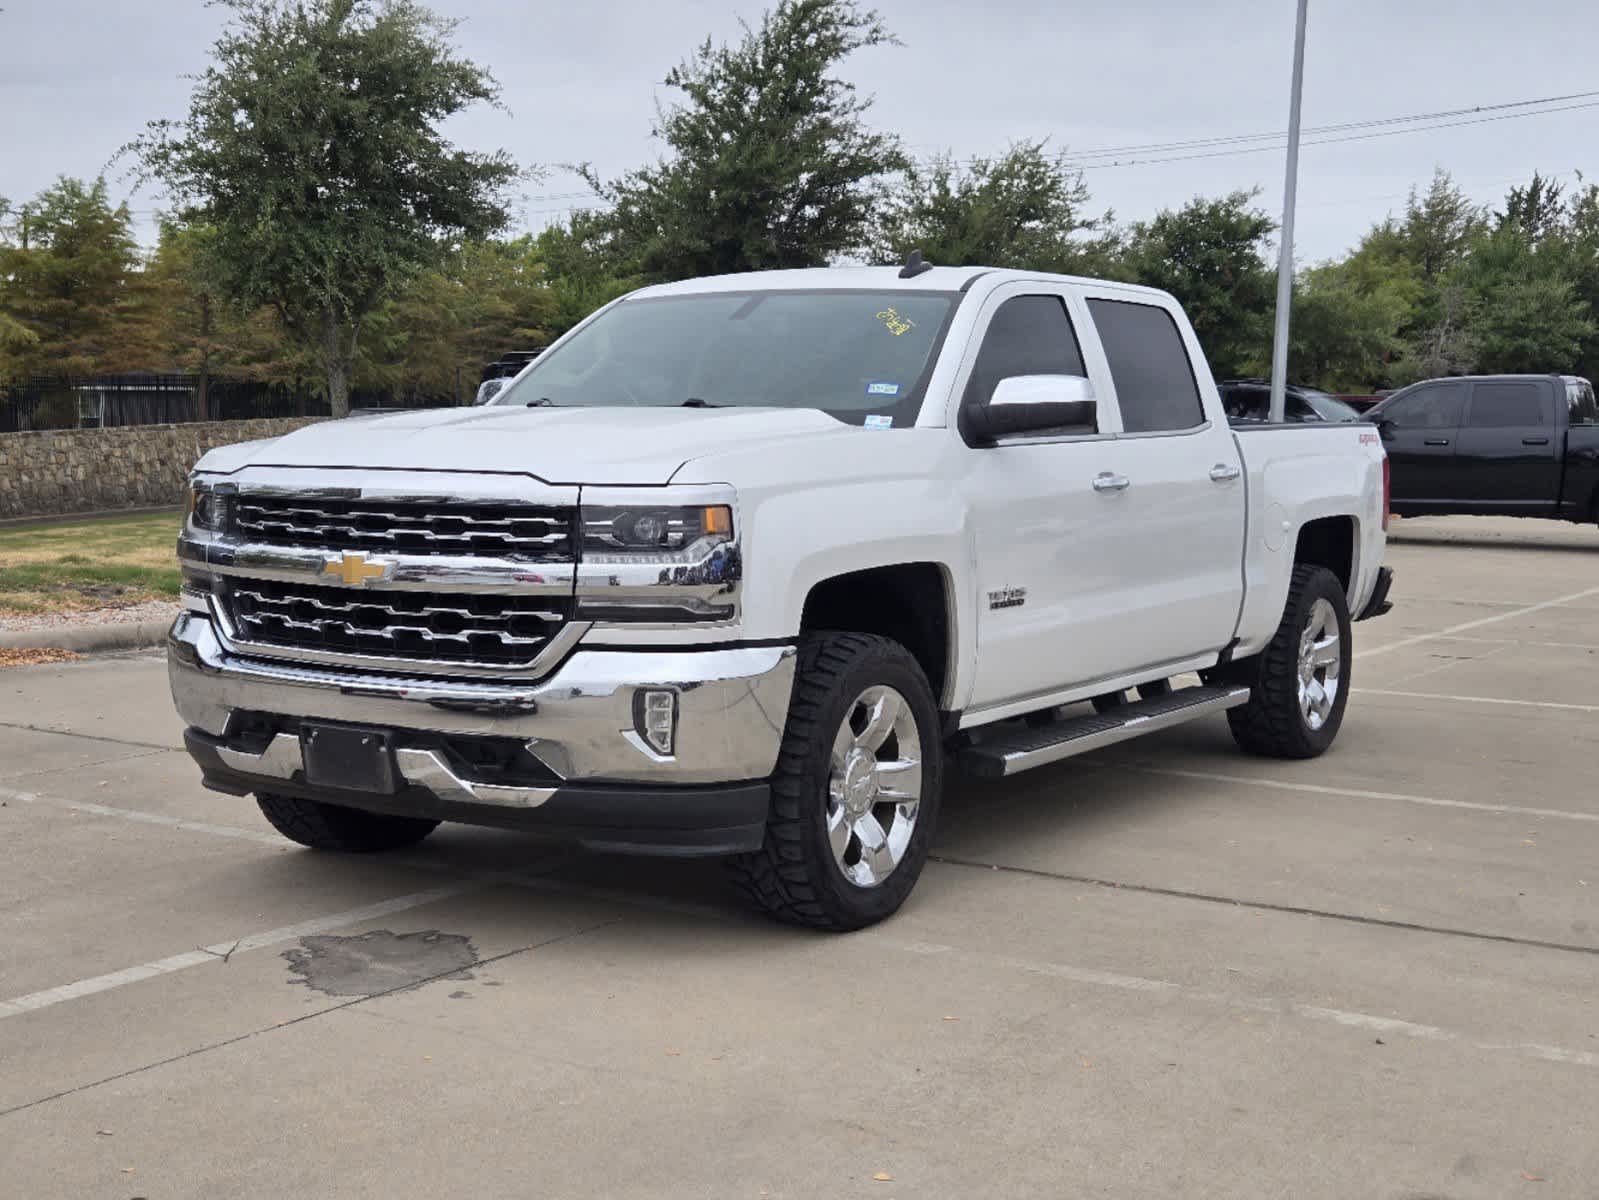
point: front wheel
(1300, 682)
(335, 827)
(856, 789)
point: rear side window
(1507, 405)
(1436, 406)
(1149, 365)
(1584, 407)
(1028, 335)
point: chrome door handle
(1222, 472)
(1105, 481)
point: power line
(1361, 137)
(1079, 158)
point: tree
(312, 152)
(771, 164)
(67, 270)
(479, 301)
(1539, 209)
(578, 271)
(1022, 209)
(1438, 227)
(1344, 329)
(1529, 317)
(1211, 255)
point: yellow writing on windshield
(896, 324)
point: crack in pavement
(90, 737)
(1266, 905)
(322, 1012)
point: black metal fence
(104, 401)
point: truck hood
(558, 445)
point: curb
(90, 639)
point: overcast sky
(79, 77)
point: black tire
(794, 876)
(1273, 724)
(334, 827)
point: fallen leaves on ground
(34, 658)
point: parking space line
(221, 951)
(1475, 699)
(1320, 789)
(11, 795)
(1417, 639)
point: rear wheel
(334, 827)
(856, 789)
(1300, 682)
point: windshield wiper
(696, 402)
(541, 402)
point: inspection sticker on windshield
(879, 422)
(896, 324)
(882, 389)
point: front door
(1419, 431)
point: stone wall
(86, 470)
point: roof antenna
(915, 265)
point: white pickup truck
(739, 565)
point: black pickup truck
(1503, 445)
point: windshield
(862, 357)
(1330, 408)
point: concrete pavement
(1170, 970)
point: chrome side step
(1010, 752)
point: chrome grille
(525, 532)
(481, 628)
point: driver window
(1028, 335)
(1439, 406)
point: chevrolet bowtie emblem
(355, 569)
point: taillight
(1387, 490)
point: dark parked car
(1248, 402)
(1509, 445)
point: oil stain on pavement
(371, 963)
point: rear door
(1505, 455)
(1183, 506)
(1419, 430)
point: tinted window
(1029, 335)
(1584, 407)
(1437, 406)
(854, 354)
(1149, 365)
(1504, 405)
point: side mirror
(1032, 404)
(489, 389)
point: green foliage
(1344, 328)
(1528, 313)
(475, 303)
(772, 164)
(312, 153)
(1022, 209)
(1211, 255)
(578, 274)
(66, 280)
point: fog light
(655, 718)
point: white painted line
(34, 1001)
(1355, 793)
(1477, 624)
(1451, 662)
(12, 796)
(1589, 708)
(1369, 1022)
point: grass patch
(70, 565)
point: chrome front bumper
(579, 722)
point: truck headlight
(651, 534)
(209, 509)
(660, 564)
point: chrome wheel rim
(874, 786)
(1319, 665)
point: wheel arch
(911, 602)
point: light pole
(1285, 254)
